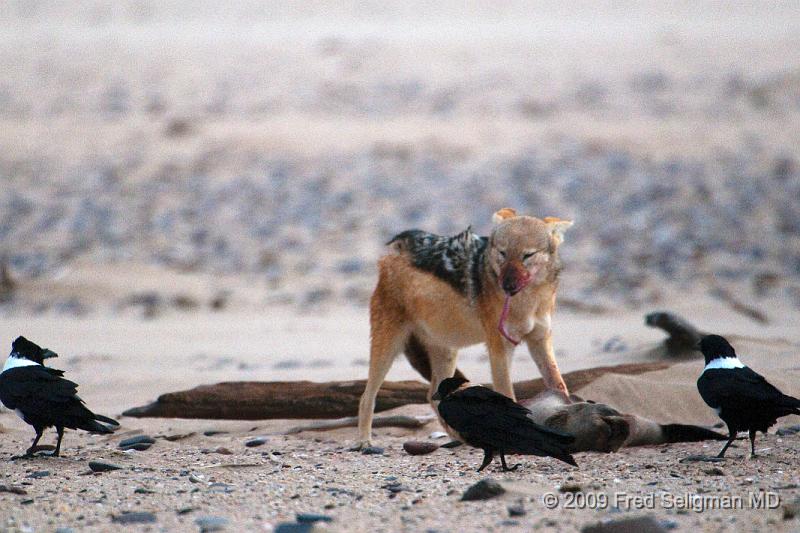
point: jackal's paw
(360, 445)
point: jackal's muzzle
(514, 277)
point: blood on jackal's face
(523, 249)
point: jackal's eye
(528, 256)
(501, 253)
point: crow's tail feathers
(93, 425)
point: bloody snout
(513, 277)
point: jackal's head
(523, 250)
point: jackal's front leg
(500, 351)
(540, 344)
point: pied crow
(742, 398)
(42, 397)
(496, 424)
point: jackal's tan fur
(521, 255)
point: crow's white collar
(16, 362)
(727, 363)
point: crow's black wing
(739, 388)
(488, 419)
(42, 395)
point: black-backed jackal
(438, 294)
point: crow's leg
(60, 430)
(487, 458)
(752, 443)
(39, 432)
(505, 466)
(731, 438)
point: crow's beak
(436, 396)
(47, 354)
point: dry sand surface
(122, 362)
(193, 192)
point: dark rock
(37, 475)
(293, 527)
(791, 509)
(221, 487)
(517, 510)
(714, 471)
(26, 502)
(142, 490)
(133, 441)
(258, 441)
(372, 450)
(415, 447)
(139, 447)
(211, 523)
(97, 466)
(702, 458)
(212, 432)
(134, 518)
(484, 489)
(13, 490)
(639, 524)
(787, 431)
(223, 451)
(311, 518)
(185, 510)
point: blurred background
(165, 158)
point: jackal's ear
(557, 228)
(503, 214)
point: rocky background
(286, 145)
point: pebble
(626, 525)
(13, 490)
(142, 490)
(293, 527)
(258, 441)
(570, 487)
(98, 466)
(38, 475)
(517, 510)
(791, 509)
(311, 518)
(211, 523)
(414, 447)
(714, 471)
(372, 450)
(138, 443)
(484, 489)
(212, 432)
(134, 518)
(702, 458)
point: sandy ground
(126, 361)
(159, 161)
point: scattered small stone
(791, 509)
(415, 447)
(639, 524)
(196, 478)
(570, 487)
(13, 490)
(258, 441)
(221, 487)
(311, 518)
(211, 523)
(138, 443)
(142, 490)
(38, 475)
(714, 471)
(372, 450)
(702, 458)
(484, 489)
(223, 451)
(64, 530)
(517, 510)
(134, 518)
(293, 527)
(178, 436)
(185, 510)
(212, 432)
(395, 487)
(26, 502)
(787, 431)
(98, 466)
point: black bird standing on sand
(497, 424)
(42, 397)
(743, 399)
